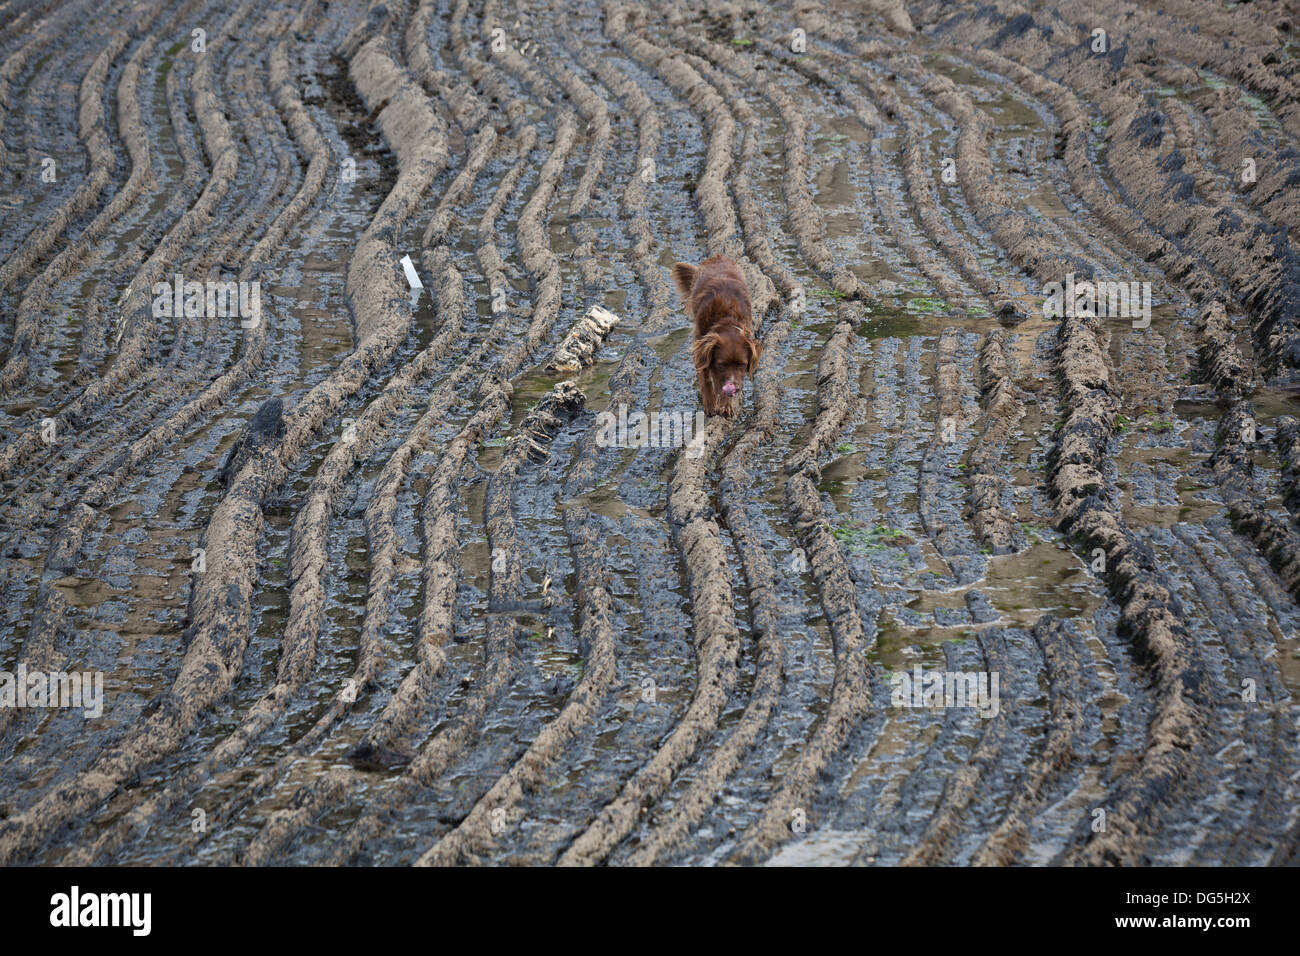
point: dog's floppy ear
(684, 275)
(702, 350)
(755, 351)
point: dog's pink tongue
(729, 388)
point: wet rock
(561, 685)
(371, 757)
(981, 608)
(951, 616)
(1009, 312)
(264, 429)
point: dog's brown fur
(725, 349)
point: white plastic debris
(412, 276)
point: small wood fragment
(578, 350)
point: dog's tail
(684, 275)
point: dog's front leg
(708, 394)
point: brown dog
(725, 350)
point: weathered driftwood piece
(536, 431)
(578, 349)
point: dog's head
(727, 355)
